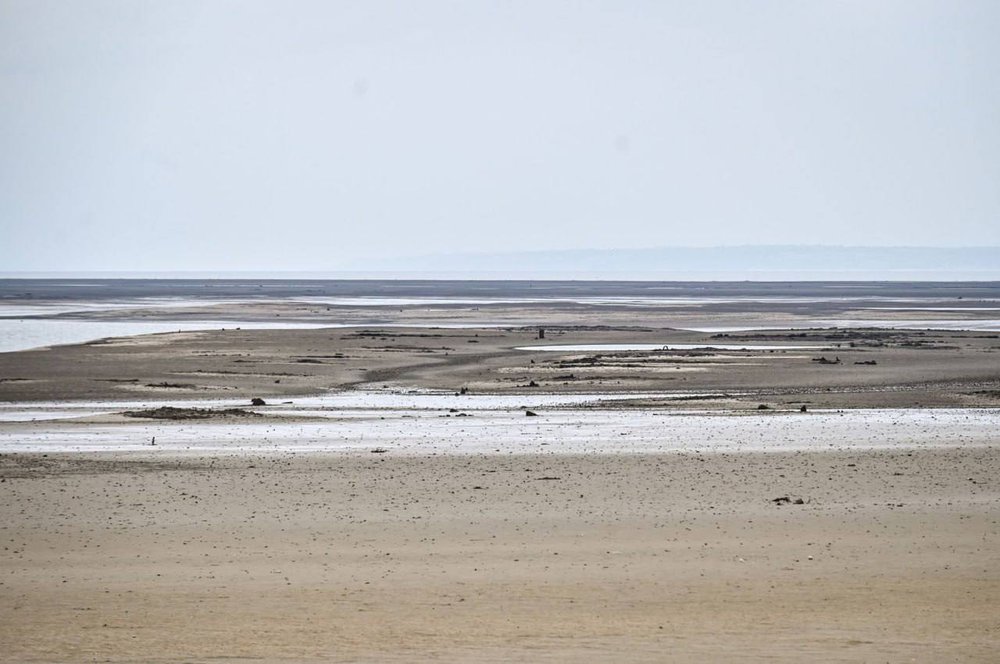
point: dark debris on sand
(172, 413)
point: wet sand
(840, 368)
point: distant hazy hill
(781, 258)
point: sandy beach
(892, 556)
(463, 493)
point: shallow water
(27, 308)
(861, 301)
(26, 333)
(22, 309)
(966, 324)
(23, 324)
(933, 308)
(616, 347)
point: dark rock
(257, 401)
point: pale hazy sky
(254, 135)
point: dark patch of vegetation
(385, 335)
(172, 413)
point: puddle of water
(968, 325)
(615, 347)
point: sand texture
(893, 556)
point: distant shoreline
(105, 287)
(602, 276)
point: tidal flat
(414, 482)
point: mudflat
(832, 368)
(822, 344)
(833, 556)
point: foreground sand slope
(893, 556)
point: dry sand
(893, 556)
